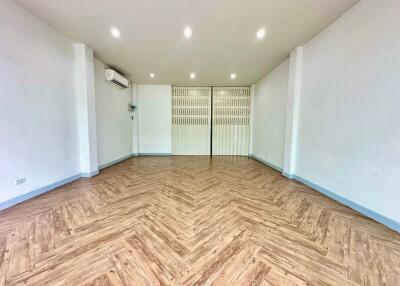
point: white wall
(154, 119)
(349, 117)
(113, 119)
(269, 114)
(38, 127)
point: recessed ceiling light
(115, 32)
(188, 32)
(152, 75)
(233, 75)
(192, 75)
(261, 33)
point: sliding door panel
(231, 120)
(191, 120)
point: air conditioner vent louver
(116, 78)
(118, 83)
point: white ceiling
(223, 41)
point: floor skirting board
(89, 175)
(42, 190)
(156, 154)
(287, 175)
(273, 166)
(363, 210)
(101, 167)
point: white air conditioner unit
(114, 77)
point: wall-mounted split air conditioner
(116, 78)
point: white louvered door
(191, 120)
(231, 120)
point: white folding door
(231, 120)
(191, 120)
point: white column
(135, 121)
(86, 110)
(292, 113)
(251, 120)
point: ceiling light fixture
(115, 32)
(188, 32)
(261, 33)
(192, 75)
(152, 75)
(233, 76)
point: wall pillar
(251, 120)
(135, 120)
(292, 112)
(86, 110)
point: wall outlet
(19, 181)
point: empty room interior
(213, 142)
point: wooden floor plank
(192, 221)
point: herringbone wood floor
(192, 221)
